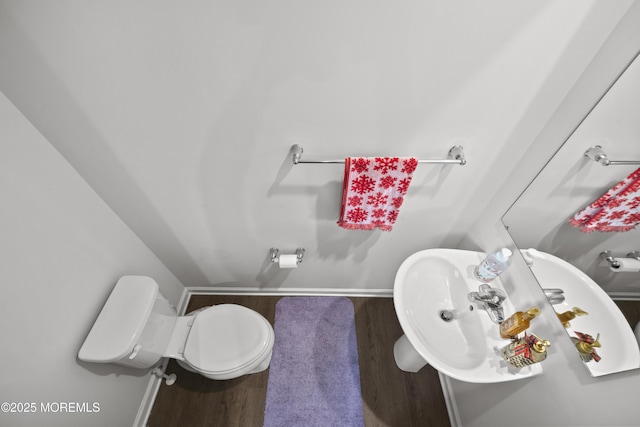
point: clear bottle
(493, 265)
(517, 323)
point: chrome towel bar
(454, 156)
(597, 154)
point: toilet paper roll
(288, 261)
(627, 264)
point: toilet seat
(226, 339)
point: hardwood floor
(390, 397)
(631, 311)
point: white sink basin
(619, 349)
(466, 348)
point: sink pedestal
(407, 358)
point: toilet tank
(134, 326)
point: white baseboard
(203, 290)
(147, 402)
(625, 296)
(184, 302)
(450, 400)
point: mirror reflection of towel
(616, 210)
(373, 191)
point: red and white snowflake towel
(373, 191)
(617, 210)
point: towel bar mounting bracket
(597, 154)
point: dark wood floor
(390, 397)
(631, 311)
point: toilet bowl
(222, 342)
(137, 327)
(636, 330)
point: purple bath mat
(314, 377)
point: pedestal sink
(441, 327)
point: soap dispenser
(493, 265)
(570, 315)
(525, 351)
(517, 323)
(586, 346)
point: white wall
(565, 395)
(61, 252)
(181, 115)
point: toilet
(137, 327)
(636, 330)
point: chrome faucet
(491, 299)
(554, 295)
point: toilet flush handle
(135, 351)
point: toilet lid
(226, 337)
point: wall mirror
(540, 219)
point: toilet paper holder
(613, 262)
(275, 254)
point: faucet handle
(489, 295)
(498, 296)
(486, 290)
(554, 295)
